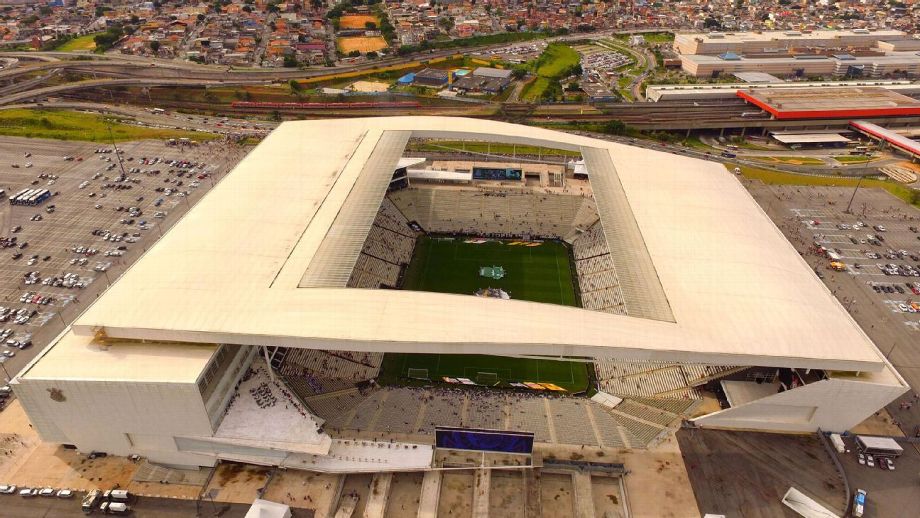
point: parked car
(859, 503)
(7, 489)
(64, 493)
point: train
(332, 106)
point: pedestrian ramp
(899, 174)
(147, 472)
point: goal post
(420, 374)
(487, 378)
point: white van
(119, 494)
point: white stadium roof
(707, 276)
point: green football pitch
(536, 273)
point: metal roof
(229, 271)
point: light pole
(858, 182)
(5, 372)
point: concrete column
(379, 494)
(481, 485)
(584, 497)
(431, 493)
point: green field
(772, 177)
(81, 44)
(71, 125)
(555, 62)
(539, 274)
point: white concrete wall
(834, 405)
(120, 418)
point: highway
(96, 83)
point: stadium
(361, 294)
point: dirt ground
(234, 482)
(362, 44)
(456, 494)
(356, 21)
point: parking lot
(53, 263)
(888, 493)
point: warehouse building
(782, 41)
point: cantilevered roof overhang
(712, 279)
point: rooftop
(80, 357)
(696, 243)
(767, 36)
(870, 101)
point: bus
(728, 154)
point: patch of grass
(555, 62)
(71, 125)
(539, 274)
(788, 160)
(81, 44)
(572, 376)
(853, 159)
(658, 37)
(772, 177)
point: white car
(904, 308)
(8, 353)
(7, 490)
(870, 461)
(65, 493)
(46, 492)
(26, 492)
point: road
(97, 83)
(145, 507)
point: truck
(89, 501)
(837, 266)
(114, 508)
(878, 446)
(118, 494)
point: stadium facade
(173, 361)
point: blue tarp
(406, 79)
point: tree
(371, 55)
(519, 71)
(371, 26)
(290, 62)
(155, 46)
(354, 54)
(615, 127)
